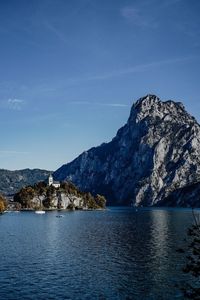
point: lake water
(112, 254)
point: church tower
(50, 180)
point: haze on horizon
(70, 71)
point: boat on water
(40, 212)
(11, 211)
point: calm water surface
(112, 254)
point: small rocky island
(57, 195)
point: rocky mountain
(155, 153)
(13, 181)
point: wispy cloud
(48, 117)
(130, 13)
(15, 104)
(113, 104)
(136, 17)
(80, 102)
(139, 68)
(98, 103)
(58, 33)
(170, 2)
(49, 88)
(13, 152)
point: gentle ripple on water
(112, 254)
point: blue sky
(70, 71)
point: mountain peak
(149, 99)
(153, 107)
(156, 152)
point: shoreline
(52, 210)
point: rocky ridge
(155, 153)
(12, 181)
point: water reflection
(116, 254)
(159, 234)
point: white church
(56, 184)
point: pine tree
(192, 267)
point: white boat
(40, 212)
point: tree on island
(40, 192)
(192, 267)
(25, 196)
(100, 201)
(2, 204)
(50, 193)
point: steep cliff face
(58, 201)
(187, 196)
(156, 152)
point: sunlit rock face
(61, 201)
(156, 152)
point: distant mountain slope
(156, 152)
(13, 181)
